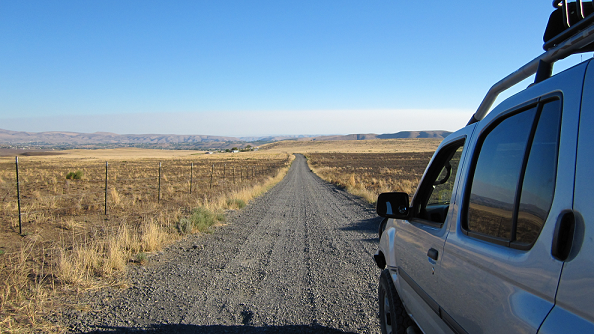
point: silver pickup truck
(499, 236)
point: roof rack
(576, 36)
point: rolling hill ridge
(61, 137)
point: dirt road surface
(296, 260)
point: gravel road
(296, 260)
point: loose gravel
(296, 260)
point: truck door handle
(432, 253)
(563, 236)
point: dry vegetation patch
(70, 245)
(369, 174)
(354, 146)
(365, 168)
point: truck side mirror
(393, 205)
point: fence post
(159, 196)
(191, 175)
(224, 171)
(106, 188)
(211, 173)
(233, 174)
(18, 195)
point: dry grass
(71, 246)
(365, 168)
(353, 146)
(369, 174)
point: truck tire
(393, 316)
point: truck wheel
(393, 316)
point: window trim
(485, 131)
(416, 220)
(430, 173)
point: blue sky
(245, 68)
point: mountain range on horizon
(66, 137)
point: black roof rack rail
(575, 38)
(574, 17)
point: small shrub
(203, 219)
(74, 175)
(235, 203)
(184, 226)
(141, 258)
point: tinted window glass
(539, 179)
(432, 200)
(444, 184)
(497, 174)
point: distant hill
(108, 139)
(398, 135)
(59, 137)
(277, 138)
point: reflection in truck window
(495, 207)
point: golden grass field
(365, 168)
(369, 174)
(70, 246)
(354, 146)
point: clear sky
(255, 67)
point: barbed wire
(167, 183)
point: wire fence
(35, 190)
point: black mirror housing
(393, 205)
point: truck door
(574, 305)
(418, 242)
(498, 274)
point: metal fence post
(233, 174)
(159, 196)
(106, 188)
(191, 174)
(211, 173)
(18, 195)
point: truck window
(444, 184)
(539, 179)
(432, 201)
(514, 176)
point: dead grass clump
(235, 203)
(69, 224)
(87, 262)
(23, 300)
(117, 253)
(114, 197)
(152, 236)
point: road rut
(296, 260)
